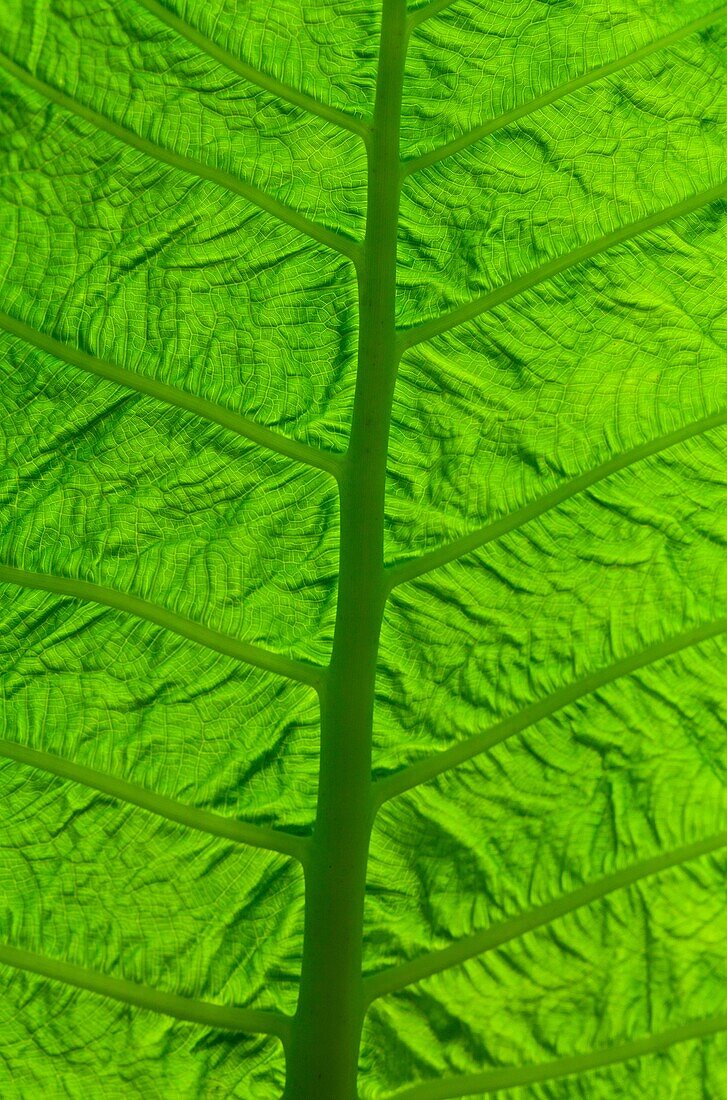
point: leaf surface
(335, 481)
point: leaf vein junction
(344, 245)
(206, 1013)
(172, 395)
(430, 767)
(466, 544)
(134, 794)
(187, 628)
(427, 330)
(283, 91)
(514, 1076)
(428, 11)
(434, 962)
(524, 110)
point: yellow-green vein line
(429, 768)
(346, 246)
(254, 76)
(132, 793)
(206, 1013)
(466, 544)
(570, 86)
(169, 620)
(460, 316)
(516, 1076)
(427, 11)
(172, 395)
(434, 962)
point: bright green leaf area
(362, 549)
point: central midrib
(322, 1057)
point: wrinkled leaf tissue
(362, 565)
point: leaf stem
(323, 1057)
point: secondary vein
(172, 395)
(434, 962)
(134, 794)
(187, 628)
(227, 1017)
(514, 1076)
(460, 316)
(428, 11)
(346, 246)
(466, 544)
(276, 87)
(429, 768)
(525, 109)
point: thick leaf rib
(214, 294)
(516, 1076)
(434, 962)
(337, 242)
(160, 616)
(458, 548)
(206, 1013)
(464, 141)
(268, 83)
(324, 1051)
(429, 768)
(172, 395)
(427, 330)
(134, 794)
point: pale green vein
(169, 620)
(336, 241)
(466, 544)
(432, 766)
(132, 793)
(434, 962)
(171, 395)
(427, 11)
(570, 86)
(437, 325)
(516, 1076)
(206, 1013)
(254, 76)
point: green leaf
(361, 564)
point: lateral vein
(172, 395)
(346, 246)
(430, 767)
(427, 11)
(426, 330)
(268, 83)
(491, 126)
(169, 620)
(513, 1076)
(134, 794)
(227, 1017)
(434, 962)
(459, 547)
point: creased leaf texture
(183, 201)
